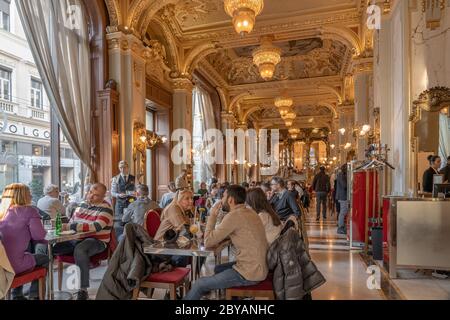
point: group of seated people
(23, 235)
(252, 218)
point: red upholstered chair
(39, 274)
(152, 220)
(95, 260)
(177, 278)
(263, 289)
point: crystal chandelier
(289, 118)
(244, 13)
(294, 132)
(266, 57)
(284, 104)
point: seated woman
(174, 217)
(257, 200)
(20, 225)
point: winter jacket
(294, 273)
(128, 265)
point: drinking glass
(47, 225)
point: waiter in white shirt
(122, 189)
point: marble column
(182, 113)
(127, 56)
(228, 120)
(363, 81)
(241, 167)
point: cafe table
(53, 239)
(192, 249)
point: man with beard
(246, 231)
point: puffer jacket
(294, 273)
(128, 265)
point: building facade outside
(25, 115)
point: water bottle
(58, 224)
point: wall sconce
(347, 146)
(332, 146)
(342, 131)
(144, 139)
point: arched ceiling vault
(318, 39)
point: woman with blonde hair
(174, 218)
(20, 225)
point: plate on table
(67, 232)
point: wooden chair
(95, 261)
(177, 278)
(263, 289)
(39, 274)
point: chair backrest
(152, 221)
(113, 241)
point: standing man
(283, 202)
(181, 181)
(122, 185)
(321, 185)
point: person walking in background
(321, 186)
(342, 197)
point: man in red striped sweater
(94, 215)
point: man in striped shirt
(94, 215)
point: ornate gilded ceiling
(204, 14)
(305, 58)
(318, 38)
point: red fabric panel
(153, 221)
(175, 276)
(265, 285)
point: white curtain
(444, 137)
(58, 35)
(202, 101)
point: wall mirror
(430, 129)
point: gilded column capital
(126, 42)
(227, 117)
(362, 64)
(346, 109)
(182, 84)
